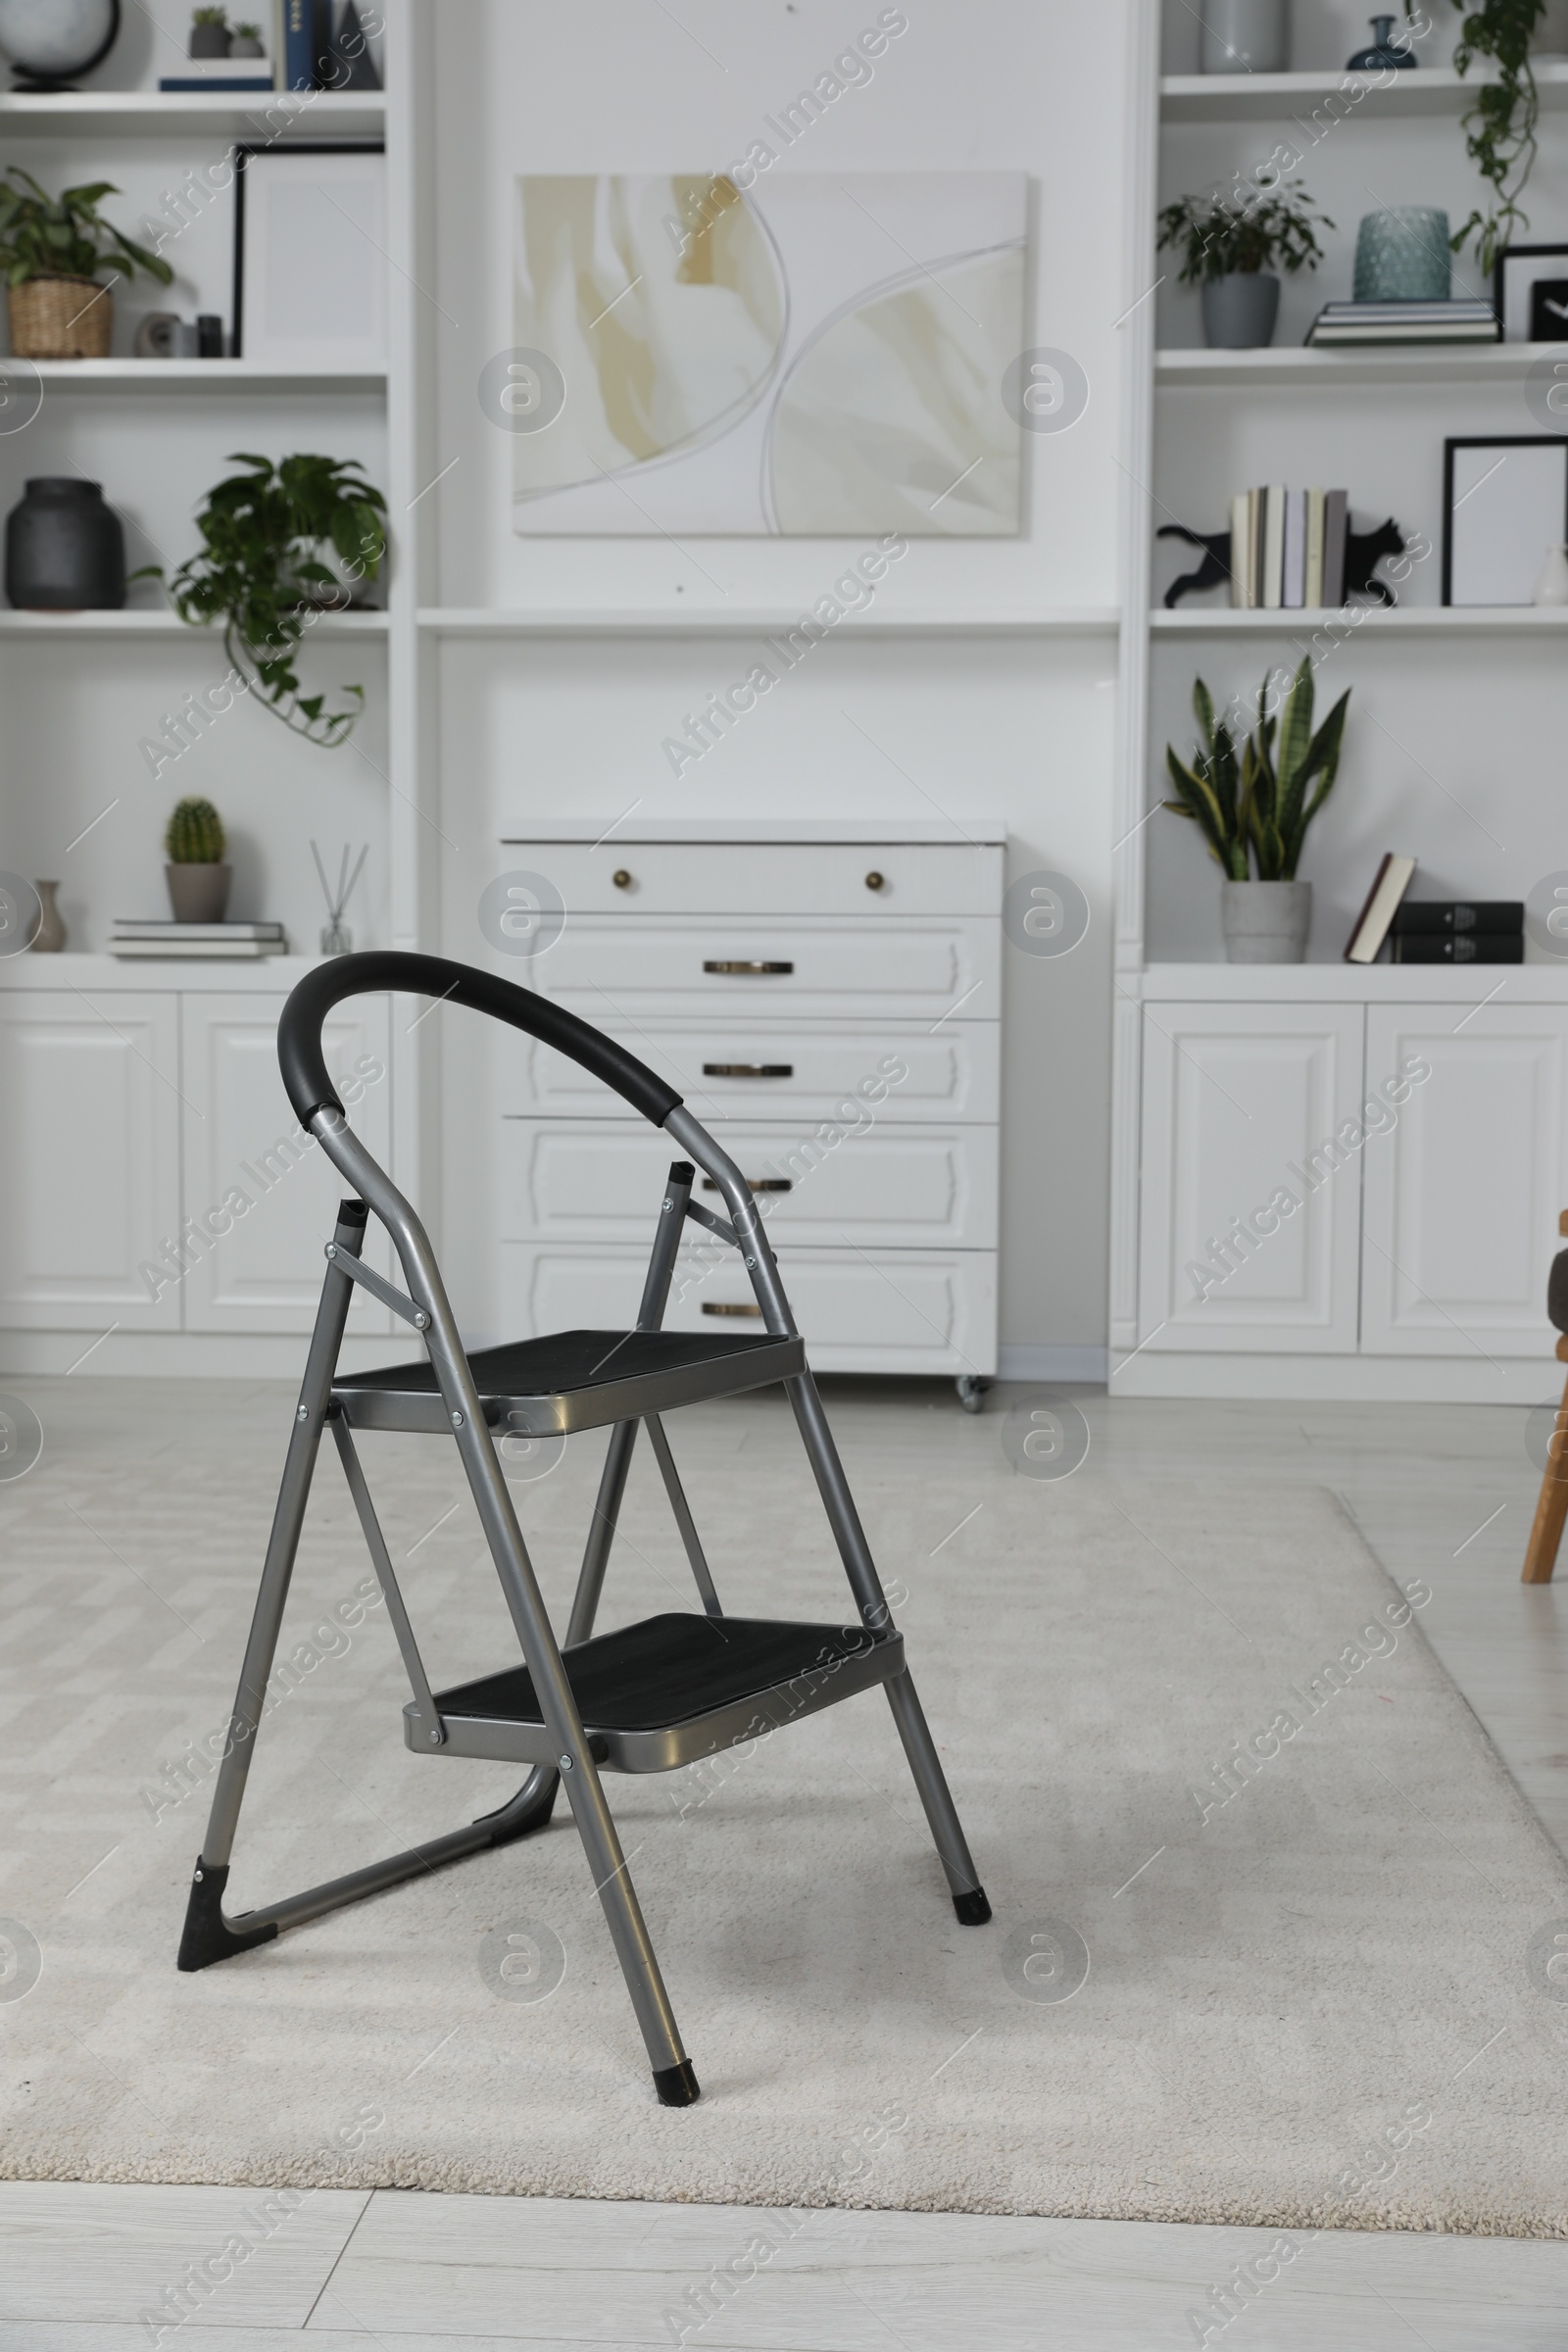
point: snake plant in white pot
(1252, 798)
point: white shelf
(1427, 363)
(91, 973)
(1086, 620)
(1541, 983)
(201, 376)
(1361, 620)
(164, 624)
(154, 114)
(1290, 97)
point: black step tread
(667, 1670)
(565, 1360)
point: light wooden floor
(1442, 1492)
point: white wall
(1020, 728)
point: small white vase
(1245, 37)
(1266, 922)
(1551, 581)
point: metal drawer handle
(747, 970)
(748, 1069)
(713, 1307)
(758, 1184)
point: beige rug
(1320, 2000)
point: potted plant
(1233, 246)
(246, 41)
(51, 250)
(209, 32)
(1499, 128)
(198, 879)
(1252, 803)
(260, 572)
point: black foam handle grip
(299, 1031)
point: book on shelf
(1372, 924)
(299, 44)
(136, 926)
(207, 951)
(1458, 322)
(1455, 917)
(219, 73)
(1287, 548)
(1470, 947)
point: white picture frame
(310, 256)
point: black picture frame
(1506, 261)
(268, 148)
(1503, 441)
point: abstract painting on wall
(815, 357)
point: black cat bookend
(1364, 551)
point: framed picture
(1504, 504)
(1530, 291)
(310, 256)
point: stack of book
(219, 73)
(1287, 548)
(1461, 931)
(1464, 322)
(228, 943)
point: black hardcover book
(327, 71)
(1455, 917)
(1471, 947)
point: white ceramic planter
(1266, 922)
(1245, 37)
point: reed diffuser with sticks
(336, 937)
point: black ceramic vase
(65, 549)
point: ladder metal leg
(683, 1517)
(602, 1532)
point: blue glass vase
(1382, 52)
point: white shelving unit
(1223, 1076)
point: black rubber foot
(208, 1934)
(972, 1908)
(676, 2086)
(524, 1823)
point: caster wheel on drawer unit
(973, 1391)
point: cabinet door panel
(264, 1272)
(1463, 1197)
(1244, 1112)
(89, 1159)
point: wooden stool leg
(1541, 1554)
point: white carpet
(1318, 2006)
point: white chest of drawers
(828, 999)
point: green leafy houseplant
(195, 834)
(260, 573)
(65, 235)
(1499, 128)
(1224, 236)
(1252, 799)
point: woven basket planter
(61, 318)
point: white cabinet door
(1463, 1197)
(89, 1159)
(264, 1194)
(653, 969)
(1252, 1185)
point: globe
(47, 40)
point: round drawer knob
(876, 881)
(621, 878)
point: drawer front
(730, 878)
(879, 1187)
(814, 1071)
(899, 1312)
(644, 969)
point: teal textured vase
(1401, 255)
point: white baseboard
(1043, 1359)
(184, 1354)
(1347, 1379)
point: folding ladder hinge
(388, 1293)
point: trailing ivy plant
(260, 572)
(1501, 127)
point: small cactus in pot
(197, 876)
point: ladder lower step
(657, 1694)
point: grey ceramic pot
(1245, 37)
(198, 894)
(1266, 922)
(1240, 310)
